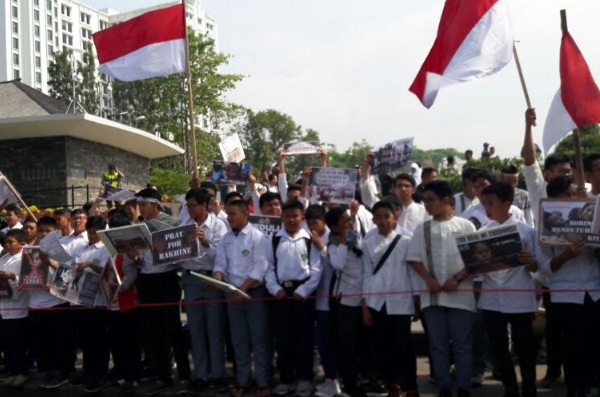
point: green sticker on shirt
(304, 257)
(245, 252)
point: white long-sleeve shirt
(411, 216)
(214, 229)
(16, 306)
(348, 268)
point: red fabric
(156, 26)
(458, 19)
(128, 299)
(578, 90)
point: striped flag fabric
(150, 45)
(474, 40)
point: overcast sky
(343, 67)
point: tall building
(32, 30)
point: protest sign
(490, 250)
(229, 173)
(110, 282)
(174, 245)
(80, 288)
(565, 221)
(118, 240)
(392, 156)
(34, 270)
(267, 225)
(228, 288)
(332, 185)
(293, 148)
(108, 190)
(6, 194)
(122, 195)
(231, 149)
(51, 246)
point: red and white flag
(577, 102)
(474, 40)
(150, 45)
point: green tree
(590, 141)
(60, 76)
(355, 155)
(169, 182)
(87, 90)
(60, 72)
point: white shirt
(20, 299)
(322, 303)
(214, 229)
(348, 268)
(74, 244)
(18, 225)
(581, 273)
(476, 214)
(243, 256)
(517, 278)
(98, 255)
(461, 203)
(411, 216)
(536, 186)
(368, 191)
(447, 261)
(294, 263)
(363, 222)
(394, 276)
(522, 202)
(44, 299)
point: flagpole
(17, 195)
(576, 138)
(521, 77)
(188, 75)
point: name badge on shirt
(304, 257)
(245, 252)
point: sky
(343, 68)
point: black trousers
(49, 333)
(553, 339)
(94, 342)
(522, 337)
(123, 334)
(347, 322)
(14, 345)
(294, 334)
(162, 324)
(579, 327)
(397, 360)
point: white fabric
(98, 255)
(214, 229)
(411, 216)
(18, 225)
(20, 299)
(447, 260)
(349, 271)
(459, 198)
(394, 276)
(477, 211)
(558, 123)
(158, 59)
(517, 278)
(243, 256)
(322, 303)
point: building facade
(32, 30)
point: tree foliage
(169, 181)
(353, 156)
(590, 141)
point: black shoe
(92, 386)
(375, 387)
(445, 392)
(220, 385)
(461, 392)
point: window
(49, 34)
(67, 39)
(36, 30)
(15, 43)
(49, 20)
(209, 26)
(103, 25)
(38, 62)
(77, 173)
(38, 77)
(49, 4)
(36, 3)
(15, 12)
(50, 50)
(16, 74)
(36, 15)
(67, 26)
(86, 18)
(37, 46)
(65, 10)
(15, 27)
(86, 33)
(15, 59)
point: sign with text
(230, 173)
(110, 282)
(34, 270)
(332, 185)
(293, 148)
(120, 239)
(80, 288)
(231, 149)
(267, 225)
(174, 245)
(392, 156)
(565, 221)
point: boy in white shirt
(13, 310)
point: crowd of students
(349, 280)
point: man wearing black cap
(160, 284)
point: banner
(120, 239)
(80, 288)
(293, 148)
(110, 282)
(393, 156)
(6, 195)
(332, 185)
(230, 173)
(231, 149)
(490, 250)
(227, 288)
(565, 221)
(174, 245)
(35, 267)
(267, 225)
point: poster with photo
(230, 173)
(79, 288)
(110, 282)
(175, 245)
(108, 190)
(231, 149)
(35, 268)
(565, 221)
(51, 246)
(119, 239)
(332, 185)
(267, 225)
(490, 250)
(6, 291)
(294, 148)
(392, 156)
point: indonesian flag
(577, 102)
(474, 40)
(150, 45)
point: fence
(70, 196)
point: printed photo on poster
(267, 225)
(35, 267)
(110, 282)
(332, 185)
(392, 156)
(231, 149)
(490, 250)
(119, 239)
(294, 148)
(229, 173)
(174, 245)
(51, 246)
(6, 291)
(80, 288)
(565, 221)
